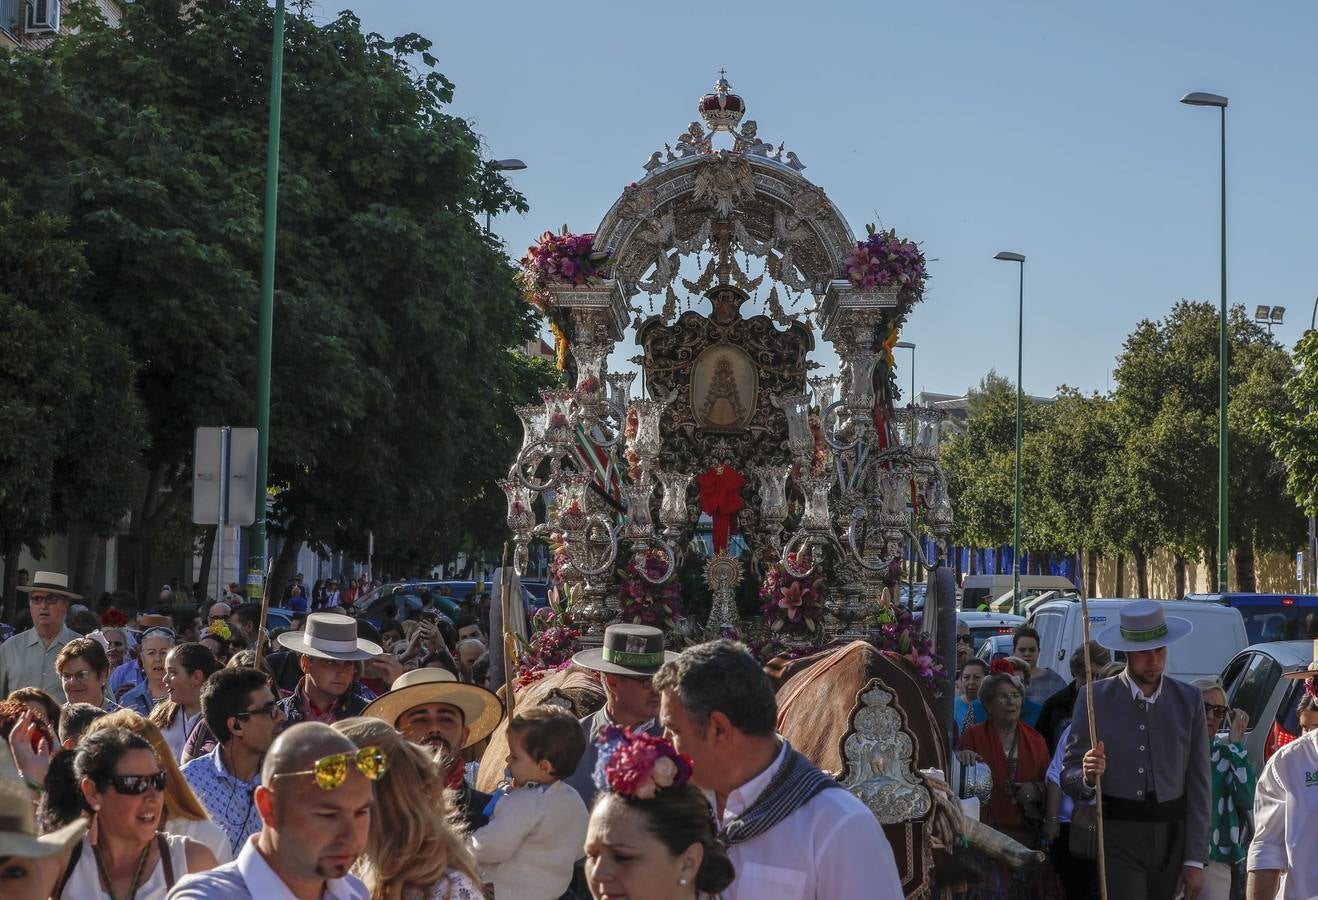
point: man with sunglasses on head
(28, 659)
(244, 715)
(315, 805)
(331, 655)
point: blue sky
(1049, 128)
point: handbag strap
(68, 870)
(165, 859)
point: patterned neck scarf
(795, 784)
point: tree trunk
(1180, 575)
(1245, 580)
(282, 571)
(11, 550)
(1120, 587)
(1142, 570)
(974, 561)
(1091, 582)
(207, 554)
(1210, 554)
(84, 553)
(164, 489)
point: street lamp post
(910, 590)
(504, 165)
(1008, 256)
(256, 541)
(1199, 98)
(1312, 567)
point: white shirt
(85, 881)
(176, 732)
(831, 848)
(250, 876)
(534, 836)
(204, 832)
(1285, 823)
(1137, 693)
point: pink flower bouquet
(884, 260)
(564, 258)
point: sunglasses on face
(1214, 709)
(133, 785)
(270, 709)
(963, 639)
(331, 771)
(218, 619)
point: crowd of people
(336, 758)
(1184, 812)
(315, 762)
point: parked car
(979, 590)
(995, 646)
(984, 625)
(1219, 633)
(1254, 683)
(406, 597)
(1271, 617)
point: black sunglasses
(270, 709)
(963, 639)
(133, 785)
(1219, 711)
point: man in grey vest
(1158, 800)
(627, 662)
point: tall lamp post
(910, 589)
(1008, 256)
(504, 165)
(1312, 566)
(256, 541)
(1199, 98)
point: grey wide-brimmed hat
(18, 832)
(330, 636)
(1310, 672)
(481, 709)
(1144, 625)
(50, 583)
(627, 650)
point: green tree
(395, 312)
(70, 453)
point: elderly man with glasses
(28, 659)
(243, 714)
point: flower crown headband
(1003, 667)
(638, 765)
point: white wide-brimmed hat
(628, 650)
(50, 583)
(330, 636)
(481, 709)
(1144, 625)
(18, 832)
(1310, 672)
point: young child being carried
(538, 829)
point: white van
(979, 590)
(1219, 634)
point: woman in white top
(412, 853)
(117, 780)
(187, 667)
(184, 815)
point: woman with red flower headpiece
(651, 834)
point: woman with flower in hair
(651, 833)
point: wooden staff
(509, 642)
(265, 610)
(1093, 742)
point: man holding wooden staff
(1157, 798)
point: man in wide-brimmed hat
(331, 655)
(431, 707)
(627, 661)
(1286, 827)
(28, 659)
(1157, 792)
(31, 861)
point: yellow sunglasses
(331, 771)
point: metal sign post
(224, 480)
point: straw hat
(18, 833)
(330, 636)
(50, 583)
(481, 709)
(1144, 625)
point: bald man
(310, 836)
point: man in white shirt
(1285, 823)
(793, 833)
(310, 836)
(28, 659)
